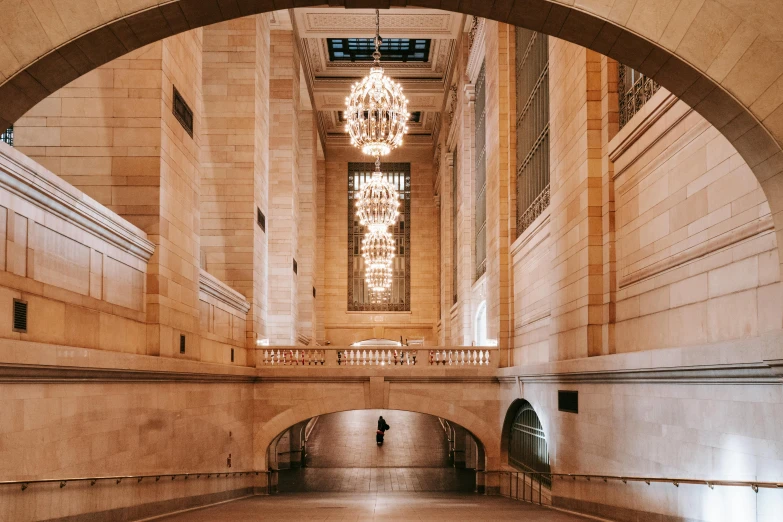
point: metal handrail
(755, 485)
(119, 478)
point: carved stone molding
(30, 181)
(25, 373)
(478, 48)
(216, 288)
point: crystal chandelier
(378, 202)
(378, 248)
(376, 111)
(379, 279)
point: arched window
(480, 325)
(527, 448)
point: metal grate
(480, 175)
(635, 89)
(7, 136)
(532, 76)
(181, 343)
(392, 49)
(399, 174)
(20, 316)
(527, 448)
(183, 112)
(296, 267)
(232, 355)
(454, 225)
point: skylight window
(392, 49)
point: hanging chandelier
(376, 112)
(378, 248)
(378, 202)
(379, 279)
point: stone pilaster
(282, 224)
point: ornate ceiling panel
(425, 83)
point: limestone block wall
(697, 259)
(105, 429)
(531, 257)
(343, 327)
(665, 429)
(222, 316)
(80, 268)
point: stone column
(610, 125)
(446, 249)
(283, 188)
(320, 252)
(306, 258)
(576, 185)
(497, 63)
(465, 198)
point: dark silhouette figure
(382, 427)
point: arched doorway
(526, 439)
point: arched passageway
(722, 58)
(339, 453)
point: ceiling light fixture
(376, 112)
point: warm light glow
(377, 203)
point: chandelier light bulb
(376, 112)
(378, 253)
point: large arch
(266, 430)
(722, 57)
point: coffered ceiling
(424, 83)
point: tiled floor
(387, 507)
(366, 480)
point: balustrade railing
(377, 357)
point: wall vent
(183, 113)
(181, 343)
(313, 291)
(261, 219)
(296, 267)
(568, 401)
(232, 355)
(20, 316)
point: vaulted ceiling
(425, 83)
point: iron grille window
(635, 89)
(480, 180)
(454, 227)
(183, 112)
(392, 49)
(7, 136)
(399, 174)
(532, 75)
(527, 448)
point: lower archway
(339, 452)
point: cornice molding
(478, 49)
(70, 205)
(749, 230)
(210, 285)
(27, 373)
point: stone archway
(722, 57)
(267, 428)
